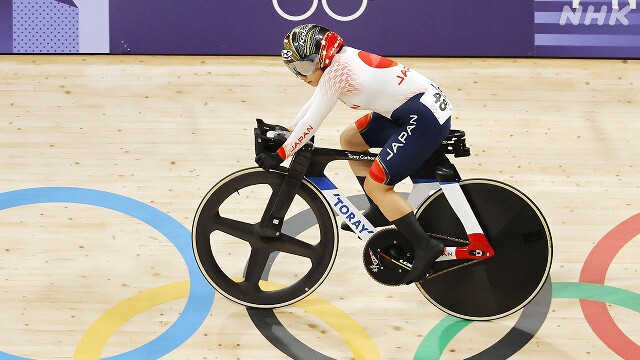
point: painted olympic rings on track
(440, 336)
(95, 338)
(594, 271)
(200, 295)
(591, 291)
(351, 332)
(528, 324)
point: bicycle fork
(276, 209)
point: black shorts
(407, 139)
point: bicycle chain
(443, 237)
(453, 268)
(438, 236)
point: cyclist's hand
(269, 161)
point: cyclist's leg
(418, 136)
(371, 130)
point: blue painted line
(201, 294)
(323, 183)
(424, 181)
(587, 40)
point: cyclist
(409, 119)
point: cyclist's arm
(300, 115)
(320, 105)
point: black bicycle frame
(436, 172)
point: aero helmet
(308, 47)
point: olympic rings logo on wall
(327, 9)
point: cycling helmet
(308, 47)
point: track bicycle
(498, 246)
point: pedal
(387, 257)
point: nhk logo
(578, 16)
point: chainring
(387, 257)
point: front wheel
(263, 272)
(520, 237)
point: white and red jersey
(361, 81)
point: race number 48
(437, 102)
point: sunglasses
(304, 67)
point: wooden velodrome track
(105, 159)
